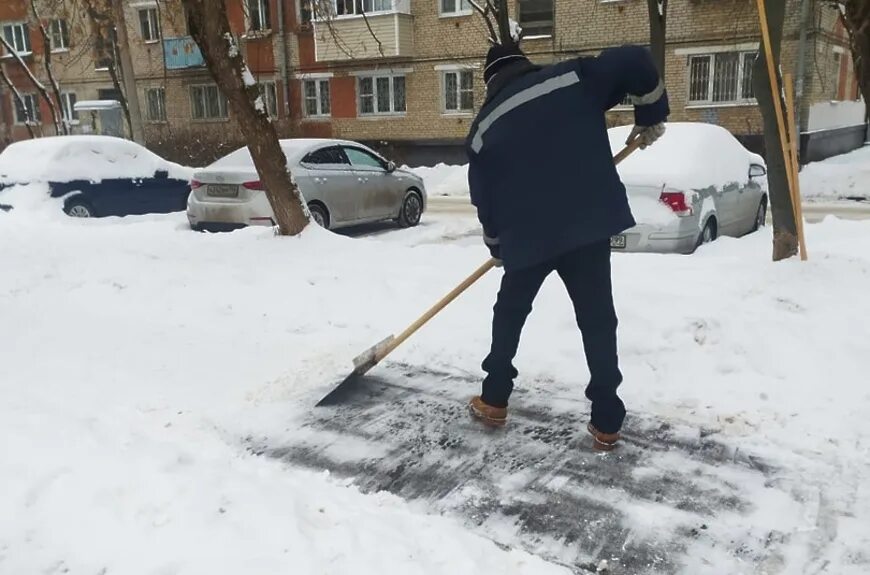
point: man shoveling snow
(549, 198)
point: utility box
(100, 117)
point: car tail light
(194, 184)
(256, 185)
(677, 202)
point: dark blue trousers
(586, 275)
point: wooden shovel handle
(467, 282)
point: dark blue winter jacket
(541, 170)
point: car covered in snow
(96, 175)
(696, 183)
(343, 183)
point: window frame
(358, 8)
(459, 111)
(526, 35)
(742, 57)
(63, 32)
(153, 24)
(36, 118)
(458, 10)
(318, 89)
(320, 166)
(161, 106)
(224, 109)
(67, 108)
(25, 38)
(269, 94)
(374, 95)
(263, 24)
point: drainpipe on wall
(284, 66)
(801, 66)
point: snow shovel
(372, 356)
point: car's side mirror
(161, 174)
(391, 167)
(756, 171)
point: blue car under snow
(96, 175)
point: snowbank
(136, 357)
(94, 158)
(443, 180)
(846, 176)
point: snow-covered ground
(136, 357)
(842, 177)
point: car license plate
(223, 191)
(618, 241)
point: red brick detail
(343, 92)
(306, 50)
(260, 55)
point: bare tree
(658, 16)
(19, 100)
(497, 18)
(63, 125)
(40, 87)
(785, 238)
(211, 30)
(855, 15)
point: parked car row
(695, 184)
(344, 183)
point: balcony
(181, 53)
(378, 34)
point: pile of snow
(91, 158)
(689, 156)
(846, 176)
(443, 179)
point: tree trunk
(785, 240)
(36, 83)
(211, 30)
(116, 83)
(63, 126)
(128, 73)
(504, 26)
(17, 95)
(856, 17)
(658, 14)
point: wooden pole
(776, 92)
(794, 165)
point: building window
(536, 18)
(721, 78)
(155, 100)
(58, 34)
(68, 107)
(18, 36)
(455, 7)
(381, 95)
(317, 101)
(29, 114)
(104, 51)
(458, 91)
(149, 25)
(306, 11)
(207, 103)
(349, 7)
(258, 15)
(269, 93)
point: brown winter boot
(602, 441)
(494, 416)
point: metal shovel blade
(361, 365)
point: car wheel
(78, 208)
(319, 215)
(708, 234)
(411, 210)
(760, 215)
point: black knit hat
(499, 56)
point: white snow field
(137, 358)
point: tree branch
(17, 95)
(40, 87)
(63, 125)
(484, 13)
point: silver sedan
(697, 183)
(343, 183)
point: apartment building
(406, 75)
